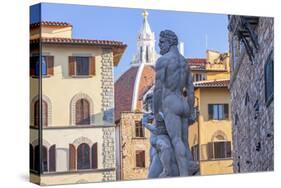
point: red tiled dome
(124, 89)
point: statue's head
(167, 39)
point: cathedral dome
(130, 87)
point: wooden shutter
(52, 158)
(225, 108)
(92, 64)
(71, 65)
(50, 65)
(79, 112)
(210, 150)
(95, 156)
(85, 112)
(37, 159)
(138, 159)
(228, 149)
(142, 158)
(72, 157)
(32, 63)
(210, 111)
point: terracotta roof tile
(78, 41)
(211, 83)
(123, 91)
(50, 23)
(196, 61)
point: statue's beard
(164, 51)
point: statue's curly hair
(170, 35)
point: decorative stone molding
(107, 85)
(49, 103)
(73, 101)
(219, 133)
(82, 140)
(44, 142)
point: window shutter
(210, 150)
(32, 65)
(85, 112)
(228, 149)
(72, 157)
(50, 65)
(143, 158)
(225, 108)
(71, 65)
(137, 159)
(92, 67)
(52, 158)
(210, 111)
(95, 156)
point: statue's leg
(155, 167)
(185, 137)
(174, 128)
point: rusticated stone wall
(252, 116)
(107, 86)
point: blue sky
(123, 24)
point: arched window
(82, 110)
(48, 162)
(83, 156)
(44, 113)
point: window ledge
(140, 138)
(43, 76)
(82, 76)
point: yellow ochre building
(210, 137)
(71, 106)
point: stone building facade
(210, 137)
(72, 129)
(251, 46)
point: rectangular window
(218, 111)
(140, 158)
(81, 66)
(139, 130)
(47, 66)
(219, 150)
(269, 79)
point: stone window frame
(49, 111)
(73, 101)
(85, 140)
(268, 98)
(142, 129)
